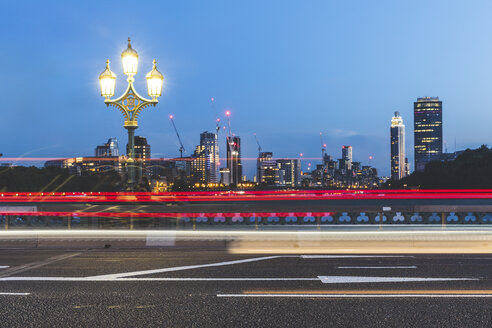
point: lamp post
(130, 104)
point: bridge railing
(350, 218)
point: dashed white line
(15, 294)
(4, 266)
(363, 279)
(378, 267)
(351, 256)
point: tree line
(54, 179)
(472, 169)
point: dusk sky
(287, 70)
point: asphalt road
(210, 288)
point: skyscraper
(142, 148)
(262, 157)
(234, 159)
(427, 131)
(397, 131)
(198, 165)
(346, 162)
(209, 142)
(289, 171)
(142, 153)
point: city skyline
(285, 83)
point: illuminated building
(289, 172)
(210, 145)
(109, 149)
(205, 160)
(198, 165)
(427, 131)
(225, 176)
(262, 157)
(346, 160)
(407, 167)
(268, 172)
(397, 131)
(234, 159)
(87, 165)
(141, 153)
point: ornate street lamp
(130, 103)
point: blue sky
(287, 70)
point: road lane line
(359, 296)
(378, 267)
(4, 266)
(181, 268)
(15, 294)
(375, 292)
(95, 279)
(364, 279)
(352, 256)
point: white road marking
(360, 295)
(378, 267)
(92, 279)
(181, 268)
(362, 279)
(350, 256)
(4, 266)
(129, 276)
(323, 279)
(15, 294)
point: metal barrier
(304, 220)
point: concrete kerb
(418, 241)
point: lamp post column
(130, 163)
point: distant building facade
(198, 166)
(87, 165)
(346, 160)
(109, 149)
(234, 159)
(225, 176)
(289, 172)
(210, 145)
(397, 132)
(204, 162)
(427, 131)
(262, 157)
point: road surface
(211, 288)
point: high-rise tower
(209, 142)
(234, 159)
(427, 131)
(346, 162)
(397, 147)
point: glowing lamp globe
(129, 58)
(154, 82)
(107, 79)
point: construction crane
(323, 146)
(259, 147)
(217, 127)
(181, 147)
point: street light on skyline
(130, 104)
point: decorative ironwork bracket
(130, 104)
